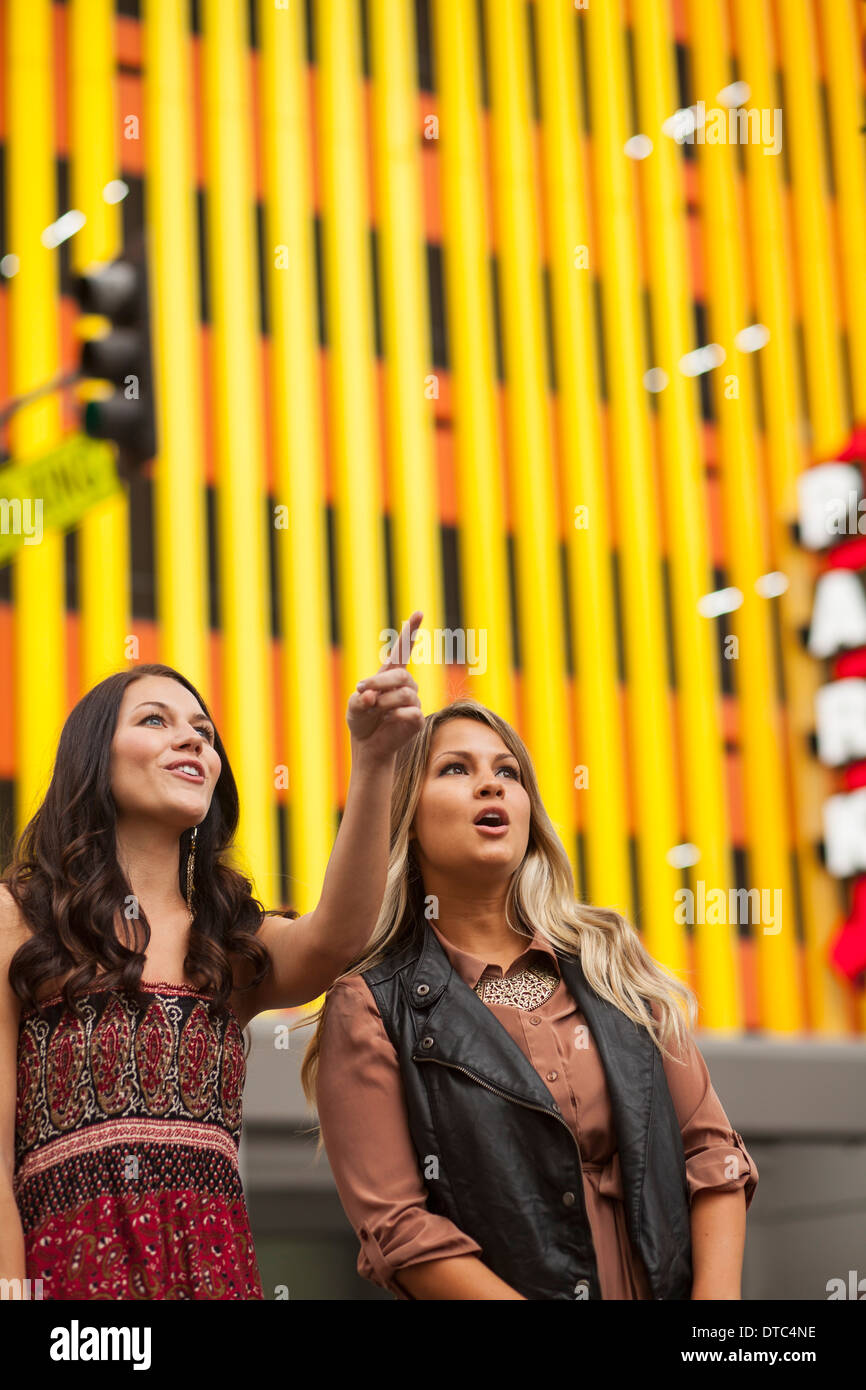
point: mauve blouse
(365, 1128)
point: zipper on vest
(506, 1095)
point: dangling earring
(190, 865)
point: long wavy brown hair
(65, 877)
(541, 894)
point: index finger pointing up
(402, 649)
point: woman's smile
(188, 771)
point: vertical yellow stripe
(38, 589)
(469, 305)
(409, 407)
(527, 408)
(745, 548)
(700, 738)
(103, 569)
(649, 705)
(179, 490)
(353, 411)
(810, 211)
(302, 555)
(599, 746)
(242, 540)
(770, 246)
(844, 84)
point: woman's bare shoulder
(14, 931)
(14, 927)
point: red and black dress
(126, 1148)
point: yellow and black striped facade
(405, 287)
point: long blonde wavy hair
(540, 895)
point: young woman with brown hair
(132, 955)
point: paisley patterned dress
(126, 1148)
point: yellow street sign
(53, 492)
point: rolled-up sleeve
(716, 1155)
(365, 1128)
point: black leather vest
(498, 1158)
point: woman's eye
(513, 770)
(206, 731)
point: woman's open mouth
(492, 823)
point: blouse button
(552, 1075)
(535, 1021)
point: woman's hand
(384, 711)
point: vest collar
(470, 966)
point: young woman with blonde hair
(511, 1100)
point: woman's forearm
(354, 882)
(383, 714)
(718, 1225)
(458, 1277)
(12, 1258)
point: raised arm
(309, 952)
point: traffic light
(117, 290)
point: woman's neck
(480, 928)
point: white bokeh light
(735, 94)
(750, 339)
(702, 359)
(683, 123)
(772, 584)
(656, 379)
(719, 601)
(115, 191)
(638, 147)
(61, 230)
(683, 856)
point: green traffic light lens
(91, 419)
